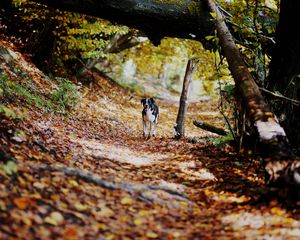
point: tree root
(144, 192)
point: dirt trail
(91, 175)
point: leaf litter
(91, 175)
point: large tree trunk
(183, 104)
(285, 69)
(272, 138)
(157, 19)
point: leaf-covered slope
(90, 175)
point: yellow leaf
(109, 236)
(102, 226)
(50, 221)
(81, 207)
(277, 211)
(126, 201)
(151, 235)
(213, 14)
(138, 221)
(183, 204)
(143, 213)
(21, 181)
(73, 183)
(2, 206)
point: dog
(149, 114)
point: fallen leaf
(70, 233)
(151, 235)
(138, 221)
(10, 168)
(73, 183)
(278, 211)
(22, 202)
(81, 207)
(19, 136)
(55, 218)
(105, 212)
(126, 200)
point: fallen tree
(156, 18)
(273, 143)
(191, 19)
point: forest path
(91, 175)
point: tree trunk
(183, 105)
(157, 19)
(273, 142)
(285, 69)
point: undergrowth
(62, 99)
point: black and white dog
(149, 114)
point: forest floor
(91, 175)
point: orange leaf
(22, 202)
(70, 233)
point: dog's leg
(145, 129)
(151, 128)
(154, 129)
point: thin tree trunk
(183, 105)
(273, 143)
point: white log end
(269, 130)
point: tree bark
(273, 143)
(156, 18)
(285, 69)
(190, 69)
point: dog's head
(147, 102)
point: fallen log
(210, 128)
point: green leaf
(209, 37)
(213, 14)
(10, 168)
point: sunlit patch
(228, 197)
(119, 153)
(267, 225)
(195, 172)
(175, 187)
